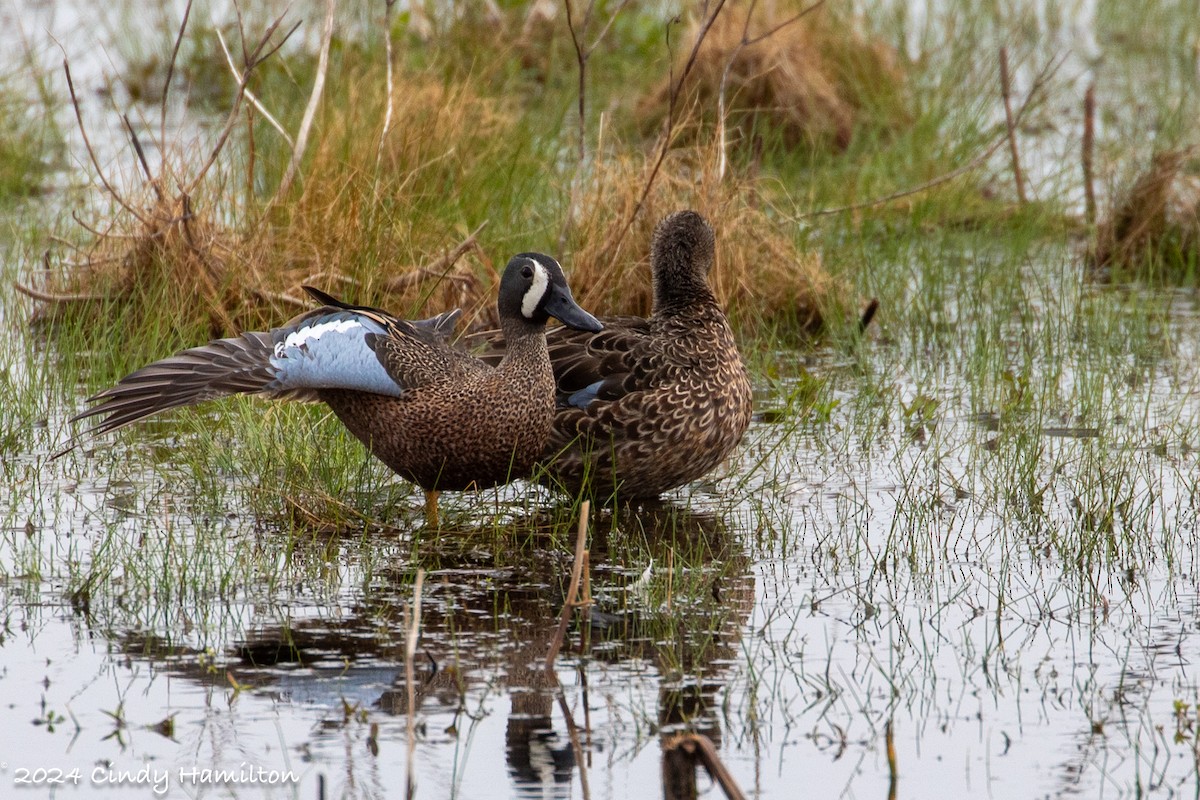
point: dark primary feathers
(646, 405)
(433, 413)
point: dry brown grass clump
(1160, 215)
(393, 220)
(232, 260)
(760, 274)
(397, 235)
(156, 250)
(812, 80)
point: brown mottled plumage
(647, 405)
(433, 413)
(467, 426)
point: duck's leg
(431, 508)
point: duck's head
(534, 288)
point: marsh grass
(1153, 230)
(814, 83)
(372, 216)
(30, 143)
(1026, 393)
(1007, 445)
(306, 473)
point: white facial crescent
(534, 294)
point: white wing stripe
(332, 355)
(301, 336)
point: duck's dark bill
(563, 307)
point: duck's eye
(527, 272)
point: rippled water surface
(911, 587)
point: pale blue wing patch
(330, 351)
(584, 396)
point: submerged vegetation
(978, 502)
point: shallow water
(848, 589)
(1010, 589)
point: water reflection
(691, 708)
(486, 629)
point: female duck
(647, 405)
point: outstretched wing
(222, 367)
(403, 354)
(336, 346)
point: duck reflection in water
(491, 599)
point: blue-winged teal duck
(436, 415)
(646, 405)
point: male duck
(433, 413)
(646, 405)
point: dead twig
(251, 97)
(581, 57)
(971, 165)
(251, 153)
(583, 52)
(889, 739)
(278, 298)
(387, 116)
(699, 749)
(576, 744)
(421, 274)
(789, 21)
(585, 594)
(162, 119)
(721, 138)
(670, 577)
(439, 268)
(310, 111)
(669, 123)
(87, 144)
(312, 280)
(53, 297)
(109, 234)
(65, 243)
(1010, 124)
(746, 41)
(1089, 147)
(564, 619)
(410, 680)
(141, 154)
(251, 60)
